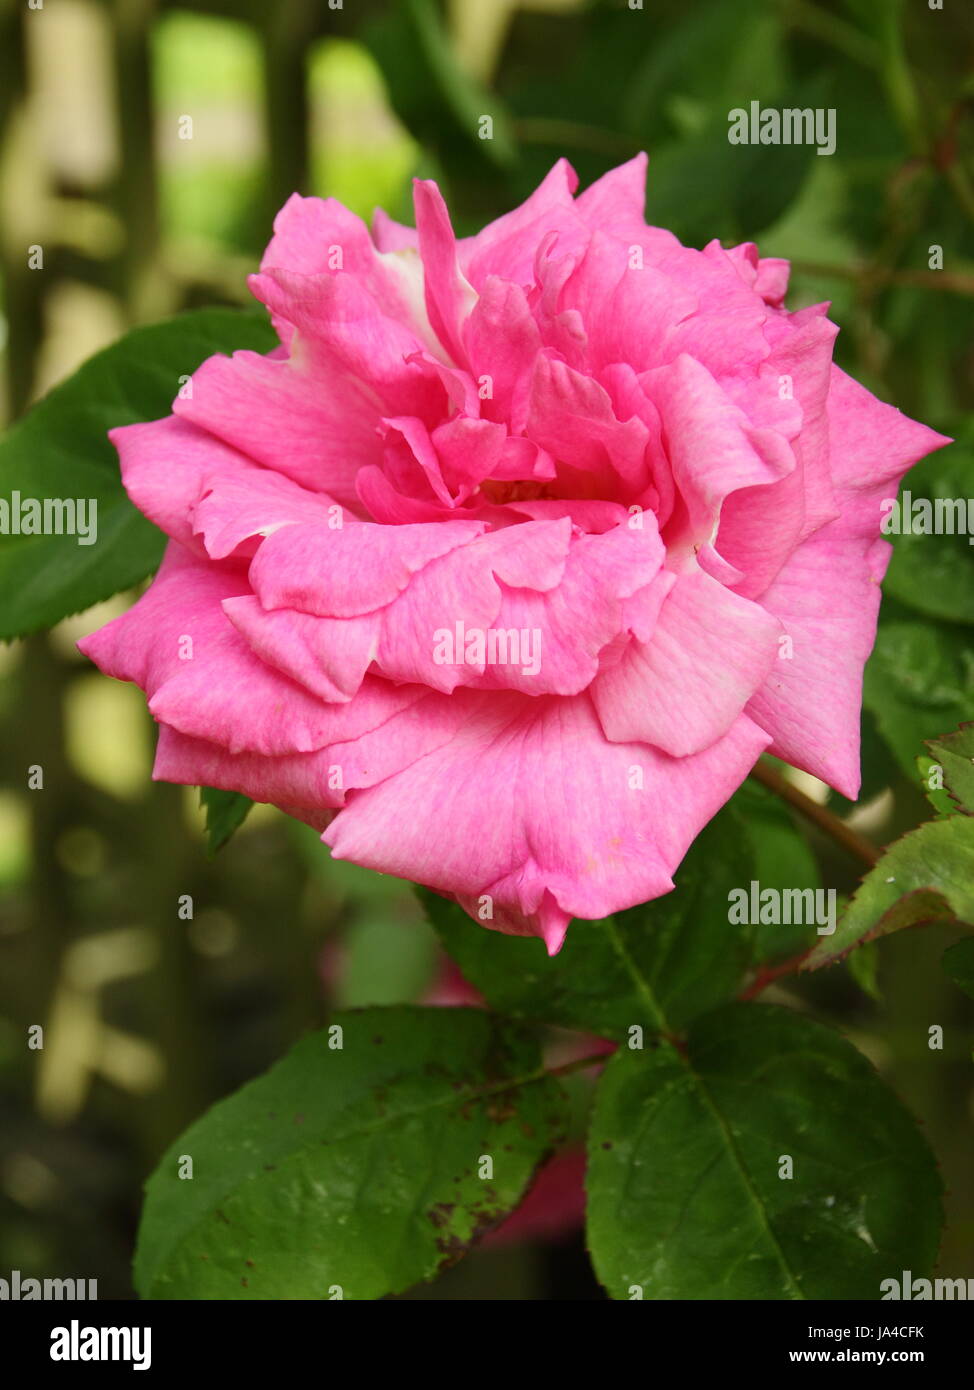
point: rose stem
(826, 821)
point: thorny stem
(826, 821)
(770, 973)
(830, 825)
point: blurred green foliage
(149, 1017)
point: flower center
(524, 490)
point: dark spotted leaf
(352, 1171)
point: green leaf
(931, 773)
(225, 813)
(355, 1168)
(348, 883)
(440, 104)
(919, 681)
(864, 969)
(927, 876)
(685, 1197)
(713, 53)
(385, 960)
(934, 574)
(958, 962)
(60, 450)
(693, 189)
(782, 860)
(955, 754)
(771, 176)
(656, 965)
(704, 186)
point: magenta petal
(253, 503)
(449, 297)
(872, 446)
(501, 341)
(812, 700)
(572, 417)
(627, 309)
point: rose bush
(570, 433)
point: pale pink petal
(392, 736)
(292, 424)
(684, 687)
(712, 446)
(351, 570)
(827, 593)
(616, 202)
(501, 340)
(571, 416)
(506, 246)
(204, 680)
(559, 637)
(531, 806)
(163, 464)
(329, 656)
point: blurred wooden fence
(63, 211)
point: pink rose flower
(507, 564)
